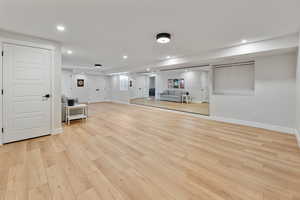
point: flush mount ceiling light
(244, 41)
(60, 28)
(125, 57)
(163, 38)
(168, 57)
(69, 52)
(98, 65)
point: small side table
(82, 115)
(186, 98)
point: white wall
(89, 92)
(82, 93)
(196, 82)
(66, 83)
(298, 98)
(139, 87)
(152, 82)
(56, 94)
(98, 88)
(116, 94)
(274, 100)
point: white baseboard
(255, 124)
(99, 101)
(57, 131)
(52, 132)
(121, 102)
(200, 102)
(138, 97)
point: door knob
(47, 96)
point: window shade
(237, 79)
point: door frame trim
(51, 48)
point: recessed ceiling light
(125, 57)
(69, 52)
(148, 69)
(163, 38)
(244, 41)
(60, 28)
(168, 57)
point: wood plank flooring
(128, 152)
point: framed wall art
(80, 82)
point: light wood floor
(128, 152)
(198, 108)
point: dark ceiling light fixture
(163, 38)
(98, 66)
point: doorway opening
(152, 87)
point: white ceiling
(102, 31)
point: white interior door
(96, 88)
(140, 86)
(26, 83)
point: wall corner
(57, 131)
